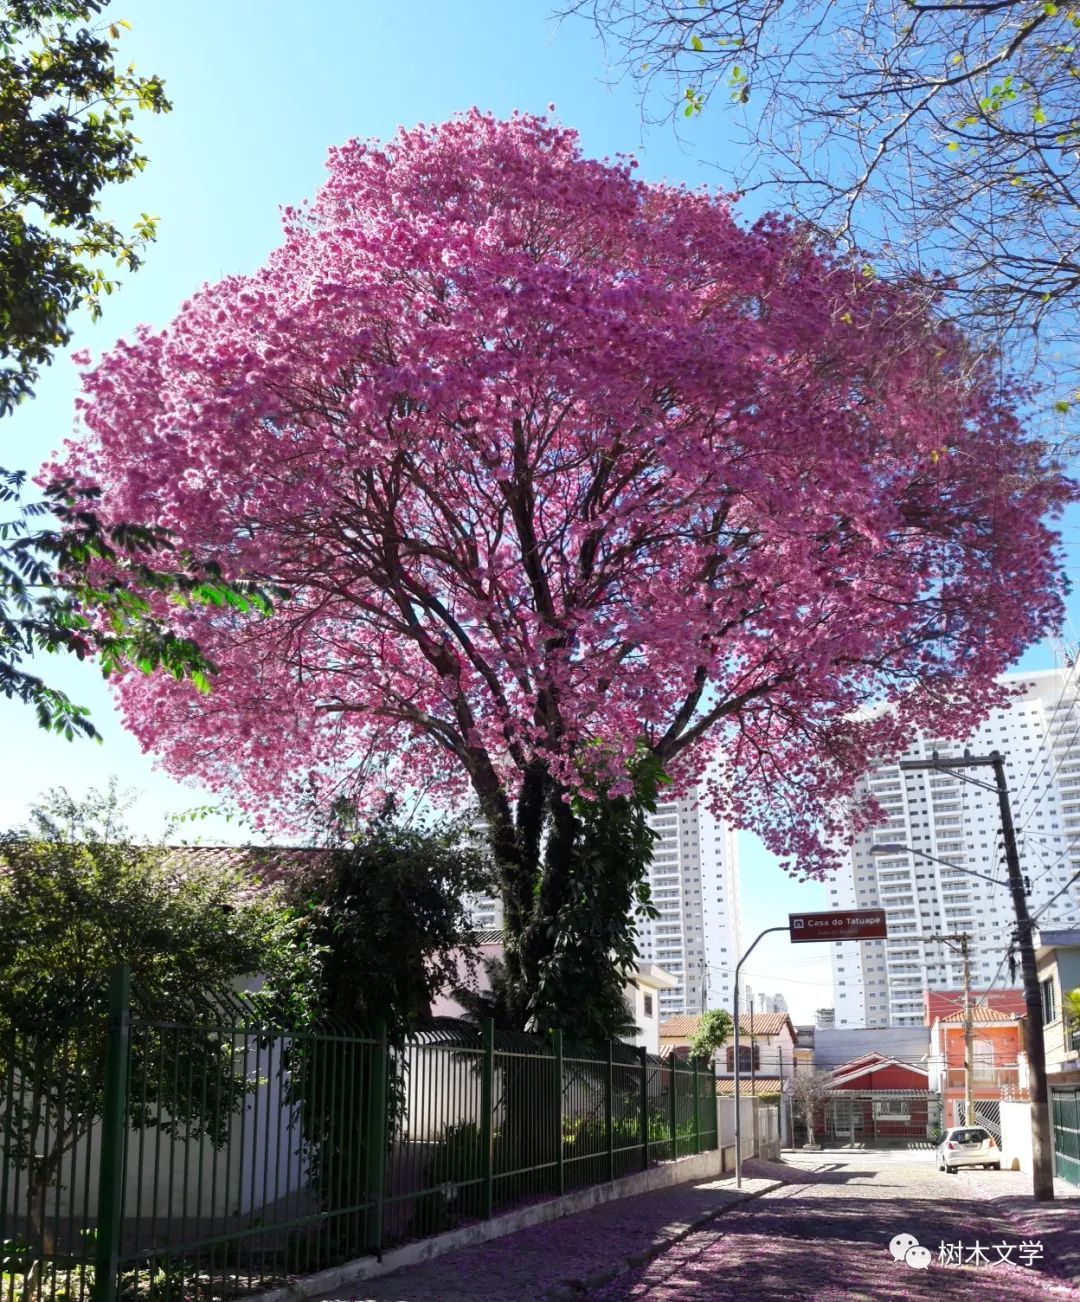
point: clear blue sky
(261, 89)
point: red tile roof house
(997, 1058)
(941, 1003)
(769, 1057)
(877, 1099)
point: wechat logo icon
(906, 1248)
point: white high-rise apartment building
(695, 888)
(881, 983)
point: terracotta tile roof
(269, 865)
(870, 1063)
(980, 1013)
(685, 1025)
(762, 1085)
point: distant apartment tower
(882, 983)
(695, 888)
(825, 1018)
(485, 909)
(770, 1004)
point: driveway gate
(987, 1114)
(1065, 1114)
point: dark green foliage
(386, 928)
(66, 133)
(454, 1177)
(67, 114)
(386, 920)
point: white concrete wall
(725, 1122)
(261, 1165)
(1016, 1136)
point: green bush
(454, 1181)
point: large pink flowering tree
(561, 468)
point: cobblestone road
(532, 1264)
(826, 1236)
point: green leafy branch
(88, 588)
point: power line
(1074, 878)
(1065, 753)
(1021, 796)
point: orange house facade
(997, 1052)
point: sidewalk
(1056, 1225)
(563, 1258)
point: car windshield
(972, 1136)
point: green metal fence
(1065, 1113)
(147, 1159)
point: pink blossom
(549, 455)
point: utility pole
(1034, 1045)
(969, 1086)
(738, 1073)
(753, 1086)
(962, 944)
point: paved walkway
(823, 1233)
(1056, 1224)
(559, 1258)
(826, 1235)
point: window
(749, 1057)
(1049, 1002)
(648, 1006)
(982, 1054)
(892, 1109)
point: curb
(569, 1289)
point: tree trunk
(515, 845)
(40, 1235)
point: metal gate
(987, 1113)
(843, 1121)
(1065, 1115)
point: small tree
(386, 928)
(77, 897)
(387, 917)
(714, 1030)
(809, 1093)
(1072, 1009)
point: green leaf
(695, 44)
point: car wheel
(950, 1170)
(996, 1166)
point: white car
(968, 1146)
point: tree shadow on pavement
(825, 1248)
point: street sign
(854, 924)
